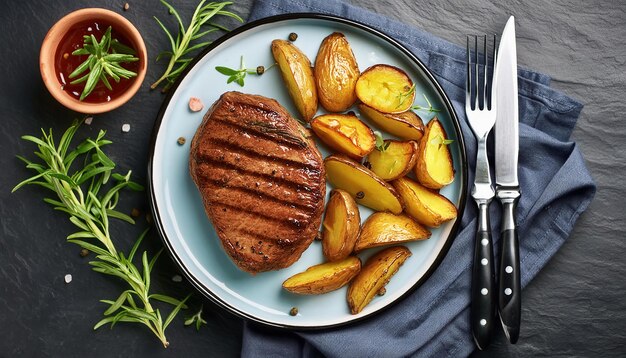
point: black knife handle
(483, 281)
(509, 287)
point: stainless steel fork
(480, 108)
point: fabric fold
(433, 321)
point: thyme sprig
(181, 53)
(430, 107)
(239, 75)
(104, 61)
(439, 141)
(89, 196)
(381, 145)
(403, 96)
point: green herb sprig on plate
(89, 196)
(381, 145)
(182, 48)
(239, 75)
(430, 107)
(105, 61)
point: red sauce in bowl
(65, 62)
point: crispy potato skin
(426, 206)
(362, 184)
(434, 168)
(345, 133)
(406, 125)
(374, 275)
(297, 75)
(382, 229)
(324, 277)
(385, 88)
(341, 226)
(336, 73)
(395, 161)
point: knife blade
(507, 184)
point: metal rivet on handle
(508, 291)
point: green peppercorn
(293, 36)
(260, 70)
(181, 140)
(293, 311)
(360, 195)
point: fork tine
(476, 71)
(485, 73)
(492, 98)
(468, 89)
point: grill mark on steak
(236, 147)
(283, 181)
(263, 130)
(261, 194)
(249, 141)
(289, 221)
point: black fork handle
(483, 304)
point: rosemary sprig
(239, 75)
(182, 46)
(104, 61)
(89, 198)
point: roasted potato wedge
(426, 206)
(382, 229)
(324, 277)
(405, 125)
(367, 188)
(395, 160)
(345, 133)
(336, 73)
(341, 225)
(386, 88)
(297, 74)
(434, 168)
(375, 274)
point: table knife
(507, 184)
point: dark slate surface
(575, 307)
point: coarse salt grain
(88, 120)
(177, 278)
(126, 128)
(68, 278)
(195, 104)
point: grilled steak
(261, 179)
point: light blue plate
(177, 206)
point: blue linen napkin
(556, 189)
